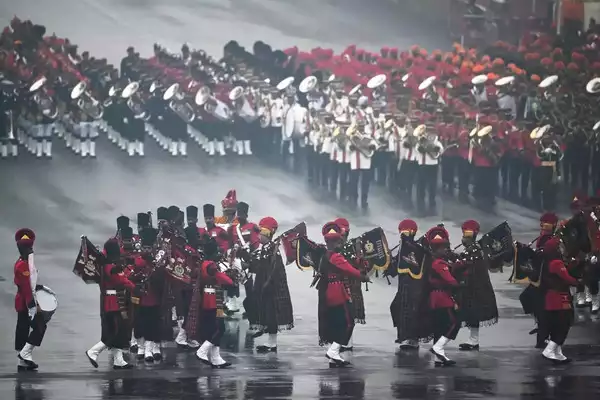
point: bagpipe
(369, 253)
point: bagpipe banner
(413, 259)
(524, 258)
(375, 250)
(308, 253)
(290, 241)
(89, 262)
(498, 243)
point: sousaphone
(285, 83)
(419, 131)
(426, 83)
(547, 82)
(244, 109)
(308, 84)
(38, 84)
(86, 102)
(485, 131)
(479, 80)
(505, 81)
(593, 86)
(171, 92)
(130, 90)
(135, 104)
(202, 96)
(42, 99)
(179, 106)
(376, 81)
(355, 90)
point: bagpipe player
(115, 318)
(477, 298)
(404, 307)
(273, 303)
(335, 311)
(205, 322)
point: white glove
(593, 259)
(548, 151)
(32, 312)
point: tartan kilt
(477, 300)
(357, 302)
(273, 303)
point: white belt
(210, 290)
(111, 292)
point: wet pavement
(66, 197)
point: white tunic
(358, 161)
(508, 102)
(425, 158)
(277, 113)
(479, 96)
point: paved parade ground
(66, 197)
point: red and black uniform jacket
(336, 267)
(219, 234)
(250, 232)
(211, 278)
(556, 283)
(149, 297)
(24, 298)
(114, 283)
(441, 282)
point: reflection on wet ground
(506, 374)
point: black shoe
(468, 347)
(29, 363)
(149, 359)
(447, 363)
(409, 347)
(266, 349)
(92, 361)
(126, 366)
(348, 348)
(207, 362)
(158, 356)
(139, 356)
(22, 368)
(336, 364)
(442, 360)
(133, 349)
(221, 366)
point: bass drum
(47, 302)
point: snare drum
(47, 302)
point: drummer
(31, 324)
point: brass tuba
(178, 104)
(134, 102)
(42, 99)
(88, 104)
(362, 143)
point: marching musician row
(189, 269)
